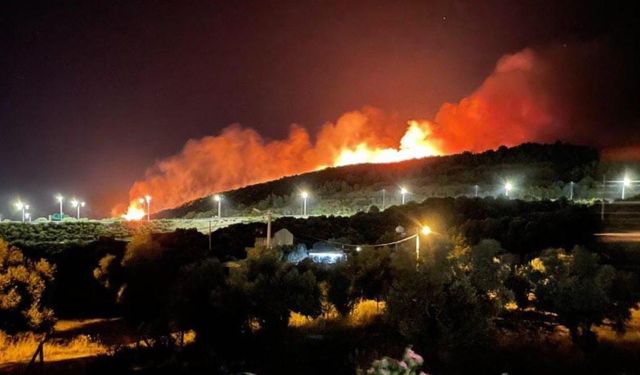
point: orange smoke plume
(239, 156)
(514, 104)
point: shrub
(409, 365)
(22, 286)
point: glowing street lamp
(218, 198)
(77, 204)
(626, 182)
(507, 188)
(60, 199)
(304, 196)
(22, 207)
(425, 230)
(146, 200)
(403, 192)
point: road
(622, 222)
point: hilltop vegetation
(539, 171)
(86, 231)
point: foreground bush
(22, 286)
(582, 292)
(409, 365)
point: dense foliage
(522, 227)
(83, 231)
(23, 283)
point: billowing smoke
(240, 156)
(531, 96)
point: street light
(425, 230)
(571, 191)
(60, 199)
(304, 195)
(218, 198)
(77, 204)
(146, 200)
(626, 182)
(22, 207)
(403, 192)
(507, 188)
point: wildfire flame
(506, 109)
(413, 145)
(134, 212)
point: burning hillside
(522, 100)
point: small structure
(283, 237)
(326, 254)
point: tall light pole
(507, 188)
(425, 230)
(77, 204)
(571, 191)
(218, 199)
(269, 229)
(60, 199)
(476, 190)
(304, 196)
(269, 217)
(384, 193)
(626, 182)
(146, 200)
(403, 192)
(22, 207)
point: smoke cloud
(539, 95)
(240, 156)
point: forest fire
(134, 212)
(516, 103)
(414, 144)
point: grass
(362, 314)
(630, 338)
(20, 348)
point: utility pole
(269, 216)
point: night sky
(93, 93)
